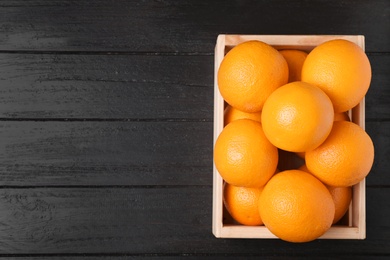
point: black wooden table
(106, 125)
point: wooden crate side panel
(218, 126)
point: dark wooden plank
(127, 153)
(378, 95)
(184, 256)
(164, 221)
(189, 257)
(106, 86)
(105, 153)
(181, 26)
(380, 135)
(130, 86)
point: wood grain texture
(106, 153)
(380, 135)
(130, 86)
(106, 111)
(173, 220)
(187, 256)
(106, 86)
(378, 95)
(180, 26)
(127, 153)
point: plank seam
(125, 53)
(185, 254)
(107, 119)
(176, 186)
(69, 119)
(135, 53)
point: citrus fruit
(232, 114)
(345, 158)
(297, 117)
(342, 116)
(341, 69)
(295, 59)
(342, 198)
(242, 203)
(249, 73)
(243, 155)
(295, 206)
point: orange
(345, 158)
(249, 73)
(342, 198)
(243, 204)
(232, 114)
(295, 60)
(297, 117)
(341, 69)
(343, 116)
(243, 155)
(295, 206)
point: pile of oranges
(295, 103)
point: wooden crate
(354, 223)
